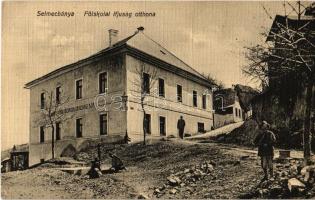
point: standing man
(181, 127)
(265, 142)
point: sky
(209, 36)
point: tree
(144, 84)
(290, 53)
(217, 85)
(51, 112)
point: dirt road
(235, 173)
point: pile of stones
(185, 180)
(291, 180)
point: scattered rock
(293, 170)
(173, 180)
(304, 170)
(157, 191)
(295, 185)
(173, 191)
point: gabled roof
(141, 42)
(144, 43)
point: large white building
(103, 99)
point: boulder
(295, 185)
(157, 191)
(294, 169)
(308, 172)
(173, 191)
(143, 196)
(173, 180)
(304, 170)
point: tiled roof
(145, 44)
(140, 41)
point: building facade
(227, 108)
(98, 98)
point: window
(78, 89)
(204, 101)
(236, 112)
(58, 94)
(41, 134)
(161, 88)
(201, 127)
(195, 98)
(146, 83)
(79, 127)
(103, 124)
(102, 79)
(179, 93)
(162, 126)
(42, 100)
(58, 131)
(147, 123)
(239, 113)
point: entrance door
(162, 126)
(201, 127)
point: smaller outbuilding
(232, 104)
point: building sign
(77, 108)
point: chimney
(113, 35)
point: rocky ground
(291, 180)
(161, 169)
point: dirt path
(235, 173)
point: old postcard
(158, 99)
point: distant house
(233, 104)
(227, 108)
(15, 158)
(5, 164)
